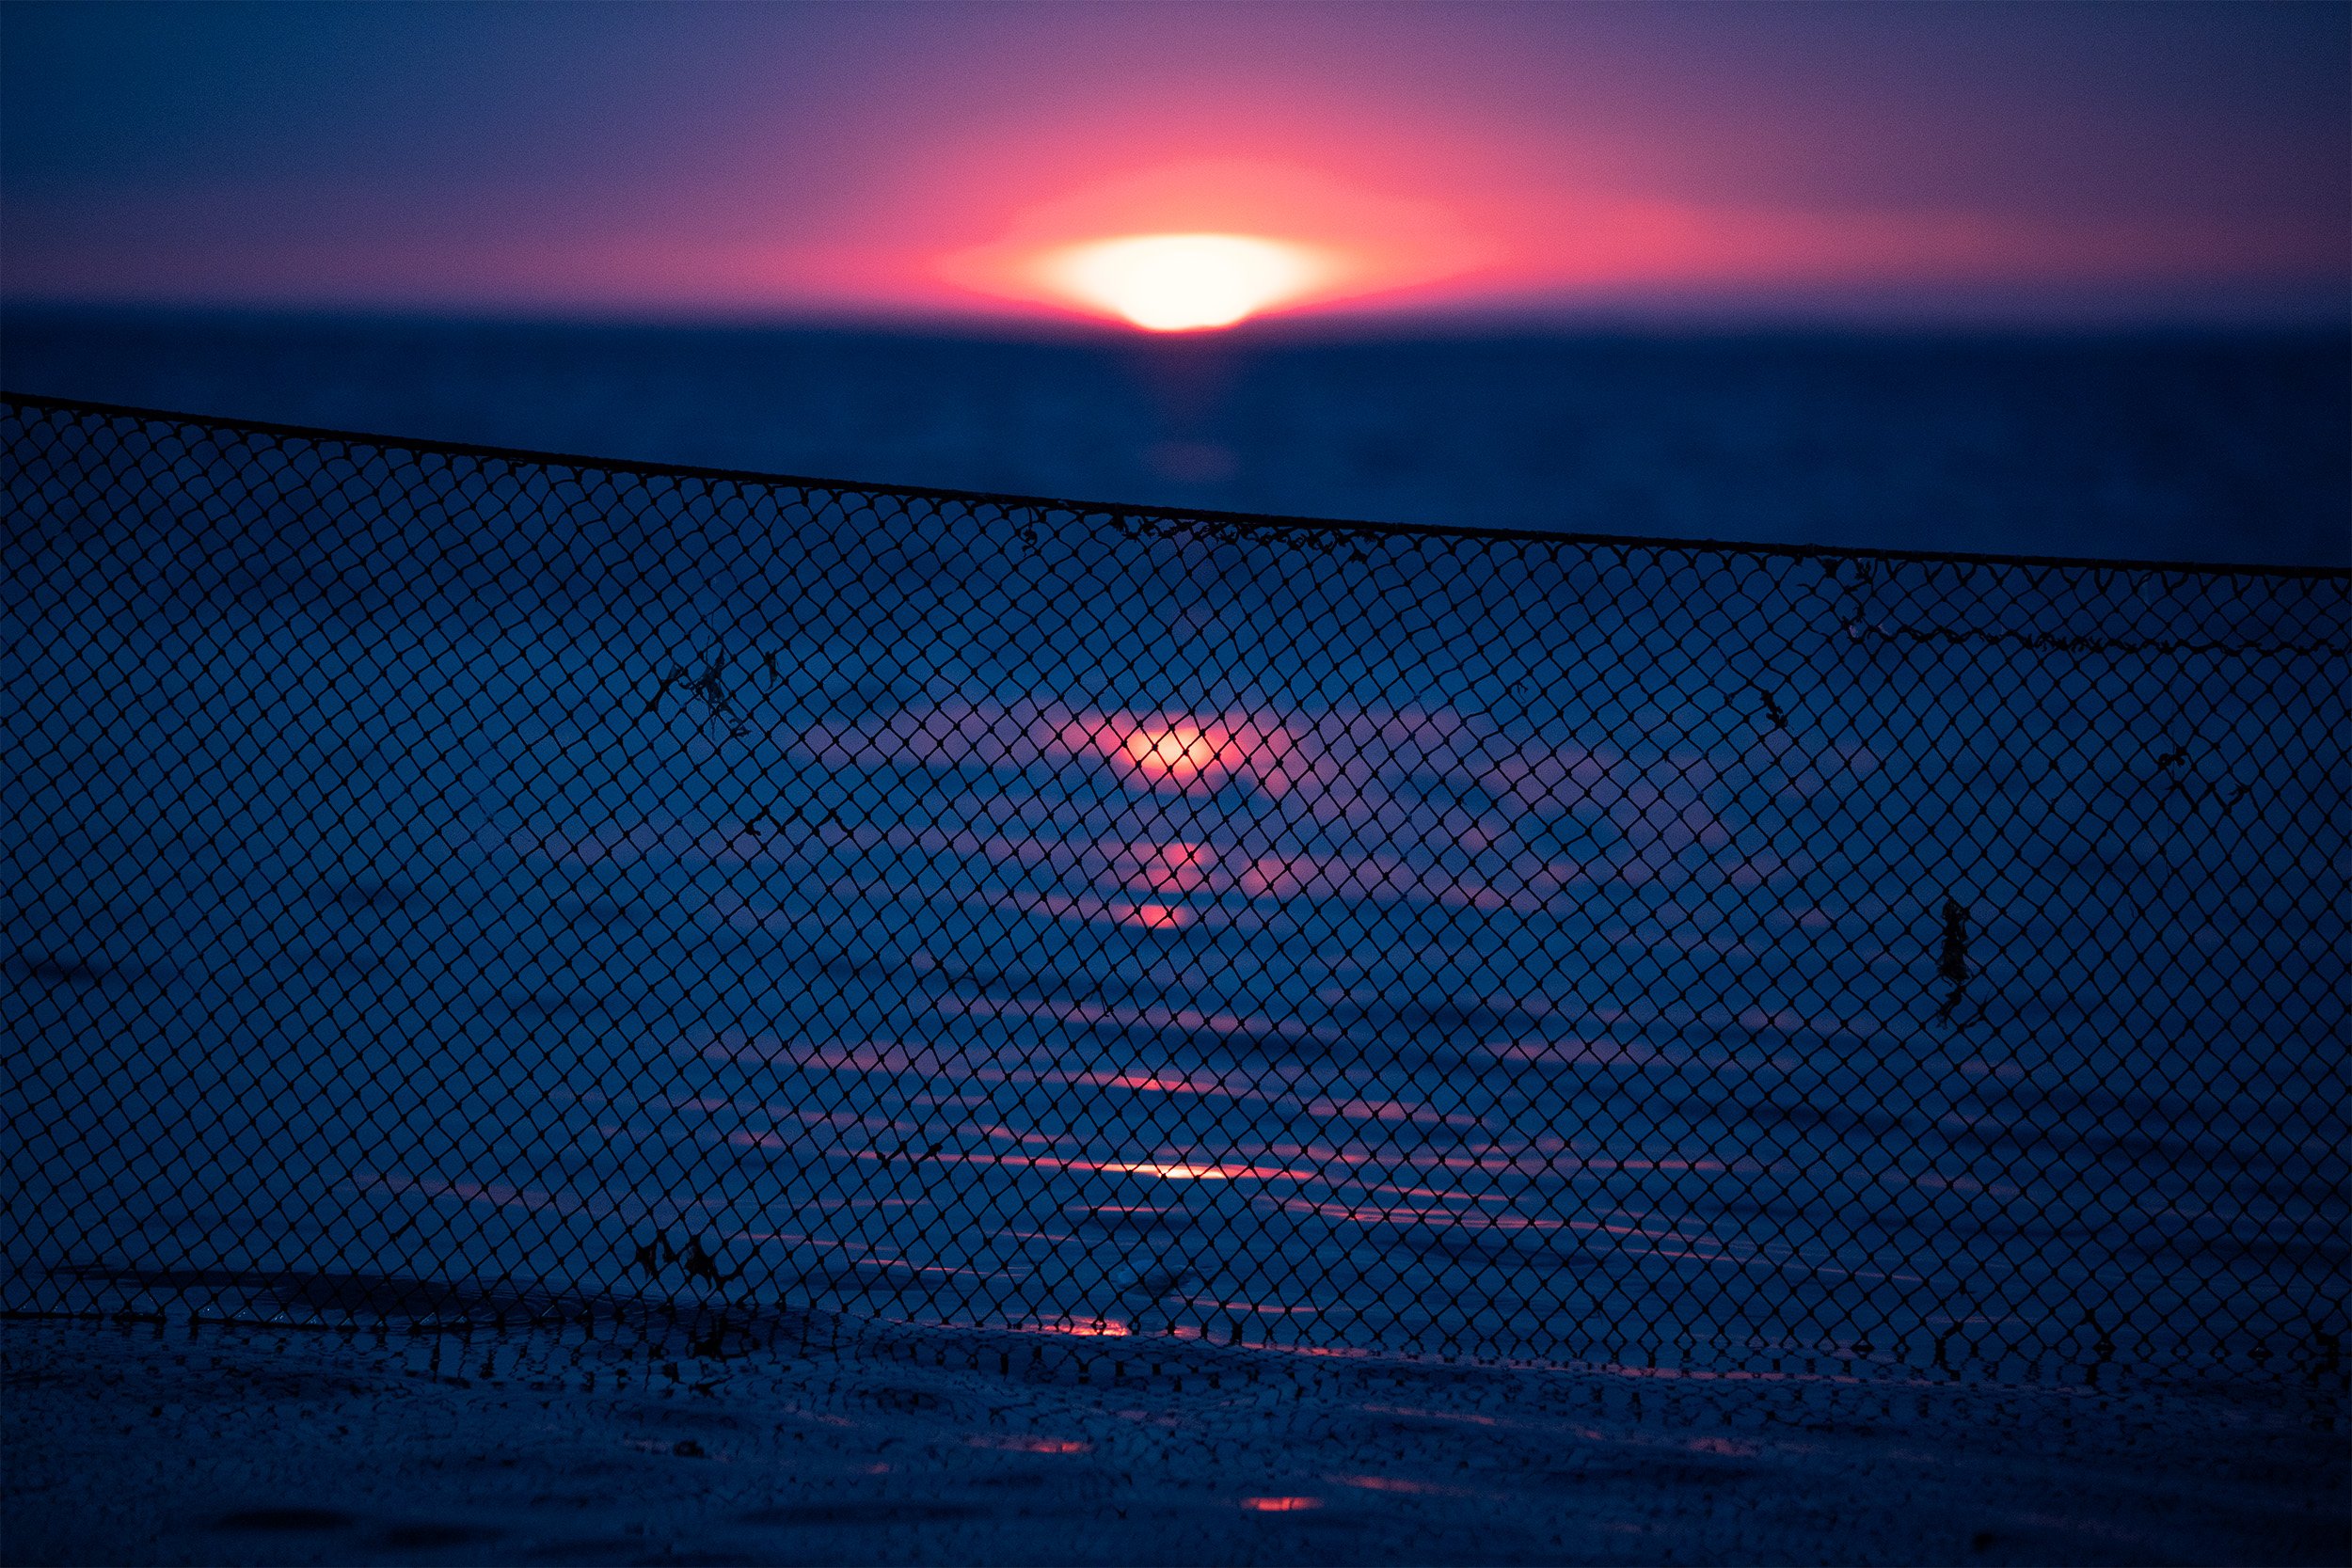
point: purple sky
(2045, 161)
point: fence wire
(466, 871)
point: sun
(1185, 282)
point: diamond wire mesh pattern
(461, 868)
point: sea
(2150, 446)
(519, 878)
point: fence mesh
(607, 881)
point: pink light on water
(1023, 1442)
(1082, 1328)
(1399, 1484)
(1178, 752)
(1179, 868)
(1185, 751)
(1183, 1170)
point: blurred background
(2056, 280)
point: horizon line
(1627, 321)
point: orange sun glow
(1185, 282)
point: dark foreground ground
(147, 1443)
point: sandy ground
(194, 1443)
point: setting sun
(1186, 282)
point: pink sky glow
(920, 161)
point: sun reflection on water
(1177, 1171)
(1084, 1328)
(1178, 752)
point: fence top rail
(1126, 510)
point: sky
(931, 161)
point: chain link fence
(466, 871)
